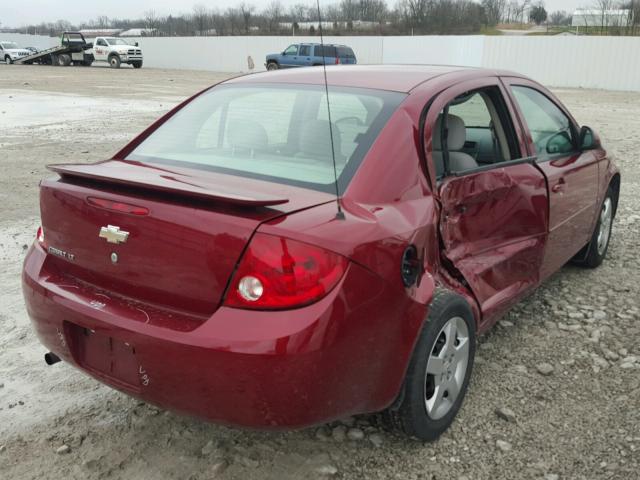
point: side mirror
(588, 139)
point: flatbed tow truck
(73, 50)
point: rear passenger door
(493, 218)
(572, 175)
(304, 56)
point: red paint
(154, 325)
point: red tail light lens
(277, 273)
(40, 236)
(337, 60)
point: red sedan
(209, 267)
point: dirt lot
(581, 422)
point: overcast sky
(15, 13)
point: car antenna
(340, 213)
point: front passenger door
(493, 218)
(572, 175)
(289, 56)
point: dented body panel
(492, 235)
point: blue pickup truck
(310, 54)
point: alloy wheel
(446, 368)
(606, 218)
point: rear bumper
(343, 355)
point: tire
(137, 64)
(8, 60)
(427, 405)
(114, 61)
(271, 66)
(64, 60)
(87, 63)
(592, 255)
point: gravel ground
(555, 393)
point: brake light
(337, 60)
(277, 273)
(40, 236)
(117, 206)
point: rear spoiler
(155, 178)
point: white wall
(611, 63)
(439, 50)
(39, 41)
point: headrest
(315, 141)
(247, 134)
(457, 133)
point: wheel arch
(614, 185)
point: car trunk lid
(163, 236)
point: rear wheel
(439, 371)
(64, 60)
(593, 254)
(271, 66)
(114, 61)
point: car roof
(399, 78)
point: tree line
(346, 17)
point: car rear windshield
(273, 132)
(346, 52)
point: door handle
(559, 187)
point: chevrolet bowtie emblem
(113, 234)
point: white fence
(611, 63)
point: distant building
(100, 32)
(137, 32)
(597, 18)
(326, 25)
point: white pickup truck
(117, 51)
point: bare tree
(273, 15)
(200, 18)
(152, 21)
(246, 11)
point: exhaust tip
(51, 358)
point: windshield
(273, 132)
(9, 45)
(117, 41)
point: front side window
(473, 130)
(273, 132)
(550, 128)
(291, 50)
(102, 43)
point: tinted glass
(346, 52)
(549, 126)
(305, 50)
(277, 133)
(325, 51)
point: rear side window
(305, 50)
(346, 52)
(325, 51)
(550, 128)
(276, 133)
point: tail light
(40, 236)
(337, 60)
(277, 273)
